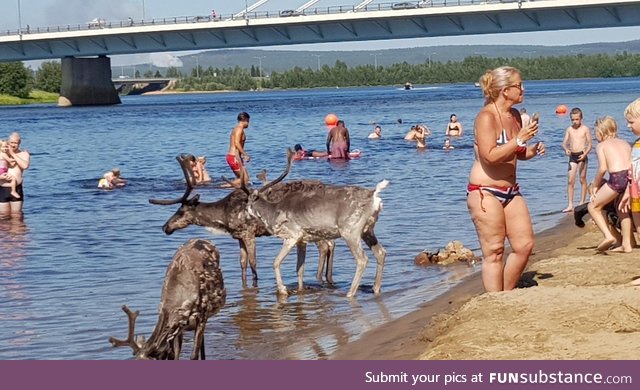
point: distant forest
(17, 80)
(431, 72)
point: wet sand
(578, 306)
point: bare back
(237, 140)
(615, 153)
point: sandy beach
(577, 304)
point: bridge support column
(87, 82)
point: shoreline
(403, 338)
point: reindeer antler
(130, 341)
(184, 160)
(290, 155)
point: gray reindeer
(229, 215)
(309, 211)
(193, 291)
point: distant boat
(477, 84)
(408, 86)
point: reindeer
(309, 211)
(193, 291)
(230, 215)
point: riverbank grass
(35, 97)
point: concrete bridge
(362, 22)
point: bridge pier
(87, 82)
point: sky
(41, 13)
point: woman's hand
(540, 149)
(528, 132)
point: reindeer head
(185, 215)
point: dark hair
(340, 123)
(576, 111)
(451, 116)
(243, 116)
(297, 147)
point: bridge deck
(330, 24)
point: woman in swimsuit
(454, 128)
(497, 208)
(614, 156)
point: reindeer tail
(381, 186)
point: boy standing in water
(236, 156)
(577, 144)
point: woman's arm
(488, 151)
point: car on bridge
(97, 23)
(290, 12)
(404, 5)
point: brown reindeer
(304, 211)
(230, 215)
(193, 291)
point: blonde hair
(494, 81)
(3, 144)
(116, 171)
(607, 127)
(202, 159)
(633, 109)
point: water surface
(81, 253)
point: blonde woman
(497, 208)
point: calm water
(81, 253)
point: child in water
(200, 172)
(7, 162)
(111, 180)
(614, 156)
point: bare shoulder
(585, 129)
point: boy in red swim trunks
(236, 156)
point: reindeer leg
(243, 261)
(250, 245)
(198, 342)
(355, 246)
(302, 254)
(287, 245)
(323, 252)
(177, 346)
(331, 246)
(380, 253)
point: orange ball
(331, 120)
(561, 109)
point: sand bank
(579, 306)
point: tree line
(18, 80)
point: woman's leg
(490, 226)
(520, 235)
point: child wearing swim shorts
(614, 156)
(7, 162)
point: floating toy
(561, 109)
(331, 120)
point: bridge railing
(337, 9)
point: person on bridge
(213, 14)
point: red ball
(331, 120)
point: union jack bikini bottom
(503, 194)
